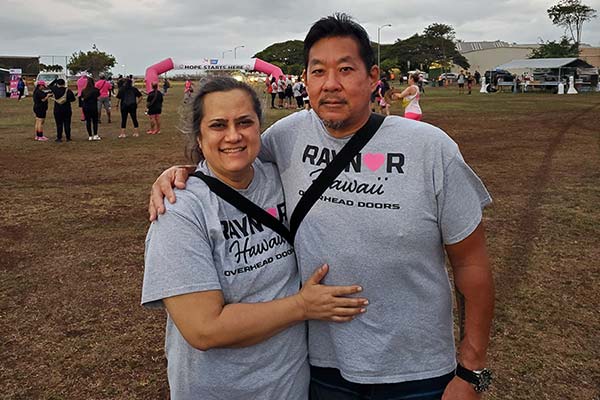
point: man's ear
(303, 76)
(374, 76)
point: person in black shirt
(470, 80)
(384, 107)
(89, 101)
(21, 88)
(129, 96)
(166, 85)
(63, 97)
(40, 105)
(154, 108)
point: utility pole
(379, 28)
(235, 51)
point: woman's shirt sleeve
(178, 256)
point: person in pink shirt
(104, 87)
(187, 92)
(81, 84)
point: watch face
(485, 379)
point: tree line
(435, 45)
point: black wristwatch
(481, 379)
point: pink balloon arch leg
(267, 68)
(153, 71)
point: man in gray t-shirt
(382, 224)
(403, 203)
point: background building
(30, 65)
(484, 56)
(591, 55)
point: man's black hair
(340, 24)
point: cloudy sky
(141, 32)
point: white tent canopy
(532, 63)
(552, 71)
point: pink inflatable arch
(210, 64)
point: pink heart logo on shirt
(272, 211)
(374, 160)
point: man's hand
(163, 187)
(459, 389)
(329, 303)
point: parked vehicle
(545, 76)
(49, 76)
(449, 76)
(498, 74)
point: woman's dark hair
(193, 112)
(342, 25)
(89, 87)
(125, 87)
(415, 77)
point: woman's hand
(206, 322)
(391, 95)
(329, 303)
(163, 187)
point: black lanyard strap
(240, 202)
(333, 169)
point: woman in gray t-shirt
(229, 284)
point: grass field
(73, 221)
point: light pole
(379, 28)
(235, 50)
(226, 51)
(123, 65)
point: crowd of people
(288, 94)
(465, 77)
(93, 97)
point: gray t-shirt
(203, 243)
(382, 224)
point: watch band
(480, 379)
(466, 374)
